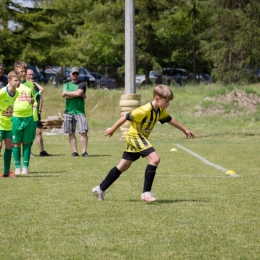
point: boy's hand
(189, 134)
(109, 132)
(30, 100)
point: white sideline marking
(206, 161)
(94, 107)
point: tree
(232, 43)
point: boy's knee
(157, 161)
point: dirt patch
(234, 103)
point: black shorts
(135, 156)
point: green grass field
(202, 213)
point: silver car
(153, 78)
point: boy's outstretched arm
(178, 125)
(110, 131)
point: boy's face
(22, 73)
(162, 102)
(14, 82)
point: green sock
(16, 155)
(7, 160)
(26, 154)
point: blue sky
(24, 3)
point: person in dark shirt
(3, 77)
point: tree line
(220, 37)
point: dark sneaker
(74, 154)
(85, 154)
(8, 175)
(44, 153)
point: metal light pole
(130, 47)
(129, 101)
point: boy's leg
(111, 177)
(150, 170)
(27, 139)
(17, 154)
(8, 152)
(114, 174)
(7, 160)
(16, 139)
(149, 174)
(26, 154)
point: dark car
(202, 78)
(205, 78)
(38, 76)
(174, 75)
(84, 76)
(103, 82)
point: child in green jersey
(142, 119)
(37, 109)
(23, 130)
(8, 95)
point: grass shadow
(37, 175)
(169, 201)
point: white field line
(94, 107)
(203, 159)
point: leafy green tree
(232, 39)
(28, 33)
(9, 47)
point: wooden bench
(49, 124)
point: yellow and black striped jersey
(143, 119)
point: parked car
(84, 76)
(202, 78)
(205, 78)
(154, 78)
(174, 75)
(51, 73)
(38, 76)
(103, 82)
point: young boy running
(8, 95)
(23, 129)
(142, 119)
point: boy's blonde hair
(13, 74)
(20, 65)
(163, 91)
